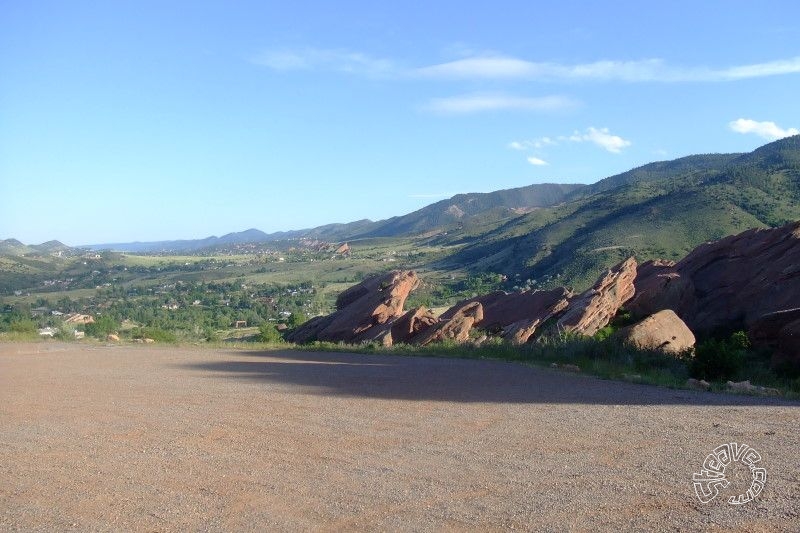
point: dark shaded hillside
(653, 213)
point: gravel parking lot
(143, 438)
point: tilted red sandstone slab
(457, 328)
(592, 310)
(729, 283)
(372, 303)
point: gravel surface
(110, 438)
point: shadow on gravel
(446, 379)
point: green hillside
(473, 209)
(660, 210)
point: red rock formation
(372, 303)
(779, 331)
(788, 347)
(457, 328)
(501, 309)
(659, 286)
(522, 331)
(593, 309)
(663, 331)
(413, 323)
(729, 283)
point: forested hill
(661, 210)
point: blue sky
(138, 120)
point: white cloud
(498, 66)
(537, 162)
(481, 67)
(602, 138)
(475, 103)
(535, 144)
(337, 60)
(646, 70)
(766, 129)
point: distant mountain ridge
(458, 210)
(14, 247)
(556, 234)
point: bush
(720, 360)
(101, 327)
(23, 325)
(65, 334)
(268, 333)
(210, 335)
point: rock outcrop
(592, 310)
(726, 284)
(747, 281)
(373, 303)
(412, 324)
(663, 331)
(780, 332)
(659, 286)
(456, 328)
(516, 315)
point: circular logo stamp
(711, 478)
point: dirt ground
(141, 438)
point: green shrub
(157, 334)
(211, 335)
(102, 326)
(268, 333)
(23, 325)
(65, 334)
(720, 360)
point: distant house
(79, 334)
(240, 324)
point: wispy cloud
(499, 67)
(337, 60)
(602, 138)
(646, 70)
(537, 162)
(475, 103)
(534, 144)
(766, 129)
